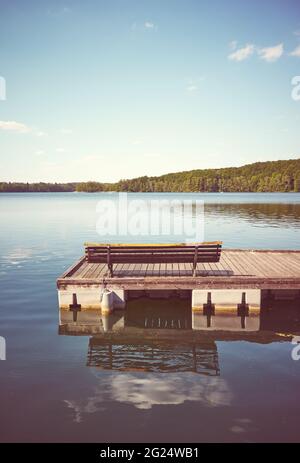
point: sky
(110, 89)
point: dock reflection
(159, 356)
(165, 336)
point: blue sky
(109, 89)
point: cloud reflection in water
(145, 391)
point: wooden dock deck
(258, 269)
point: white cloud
(60, 150)
(20, 127)
(271, 54)
(268, 54)
(242, 53)
(149, 25)
(14, 126)
(296, 52)
(297, 33)
(40, 152)
(146, 25)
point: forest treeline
(41, 187)
(270, 176)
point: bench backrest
(153, 253)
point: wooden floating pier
(238, 280)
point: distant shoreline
(155, 192)
(260, 177)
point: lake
(211, 388)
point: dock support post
(113, 299)
(221, 309)
(226, 298)
(75, 307)
(243, 308)
(208, 309)
(107, 303)
(243, 311)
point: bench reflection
(166, 337)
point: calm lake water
(214, 387)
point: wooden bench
(111, 254)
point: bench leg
(195, 261)
(194, 270)
(110, 269)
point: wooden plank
(295, 256)
(213, 268)
(284, 266)
(242, 265)
(223, 269)
(102, 270)
(126, 270)
(86, 271)
(150, 269)
(130, 269)
(291, 260)
(163, 270)
(144, 269)
(267, 266)
(248, 264)
(156, 269)
(235, 259)
(276, 264)
(188, 269)
(117, 269)
(175, 271)
(230, 263)
(200, 269)
(169, 269)
(92, 268)
(262, 270)
(79, 270)
(136, 269)
(74, 267)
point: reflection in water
(276, 215)
(280, 311)
(40, 235)
(147, 364)
(144, 392)
(154, 356)
(171, 313)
